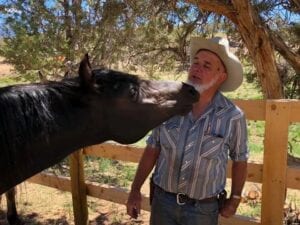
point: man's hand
(134, 204)
(230, 207)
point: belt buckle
(178, 199)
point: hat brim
(233, 65)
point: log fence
(274, 174)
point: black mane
(27, 111)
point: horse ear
(85, 73)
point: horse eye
(133, 92)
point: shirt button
(213, 142)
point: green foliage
(28, 77)
(147, 36)
(294, 139)
(250, 209)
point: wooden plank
(254, 109)
(240, 220)
(51, 180)
(295, 111)
(115, 151)
(78, 188)
(254, 175)
(293, 177)
(133, 154)
(254, 171)
(275, 162)
(113, 194)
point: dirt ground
(40, 205)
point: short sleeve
(239, 139)
(154, 138)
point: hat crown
(221, 41)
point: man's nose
(197, 68)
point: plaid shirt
(194, 153)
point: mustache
(202, 87)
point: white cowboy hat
(220, 46)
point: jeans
(166, 211)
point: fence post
(275, 162)
(78, 188)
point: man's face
(206, 71)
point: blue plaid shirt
(194, 152)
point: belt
(183, 199)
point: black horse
(40, 124)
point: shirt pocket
(211, 146)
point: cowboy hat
(220, 46)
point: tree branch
(292, 58)
(297, 3)
(217, 6)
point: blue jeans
(166, 211)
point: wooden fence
(274, 174)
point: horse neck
(39, 128)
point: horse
(42, 123)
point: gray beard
(202, 88)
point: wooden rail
(274, 174)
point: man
(191, 151)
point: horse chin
(128, 140)
(186, 110)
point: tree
(260, 40)
(152, 35)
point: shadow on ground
(35, 219)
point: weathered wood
(295, 110)
(133, 154)
(115, 151)
(78, 188)
(254, 172)
(253, 109)
(293, 177)
(113, 194)
(50, 180)
(275, 162)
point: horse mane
(27, 110)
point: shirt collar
(217, 104)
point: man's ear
(85, 73)
(223, 76)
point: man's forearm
(146, 165)
(239, 175)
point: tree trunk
(259, 45)
(255, 37)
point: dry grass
(5, 69)
(40, 205)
